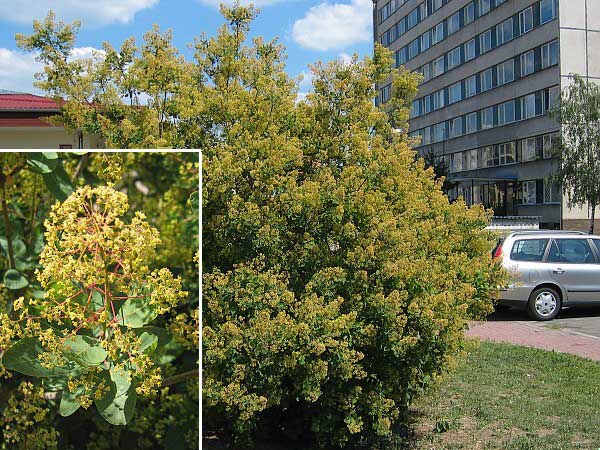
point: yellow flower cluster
(24, 421)
(93, 264)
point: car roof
(549, 234)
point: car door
(573, 264)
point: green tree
(578, 112)
(337, 277)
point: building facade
(491, 71)
(24, 124)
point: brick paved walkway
(532, 334)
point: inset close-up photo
(99, 300)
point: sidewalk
(532, 334)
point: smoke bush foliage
(338, 279)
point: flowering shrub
(338, 278)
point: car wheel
(544, 304)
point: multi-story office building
(491, 70)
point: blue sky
(311, 30)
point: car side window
(571, 251)
(597, 244)
(528, 250)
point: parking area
(575, 331)
(582, 320)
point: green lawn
(512, 397)
(502, 397)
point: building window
(427, 135)
(453, 24)
(506, 72)
(426, 71)
(528, 189)
(548, 10)
(471, 120)
(413, 49)
(423, 10)
(385, 93)
(470, 50)
(507, 153)
(437, 33)
(400, 28)
(425, 41)
(551, 192)
(456, 127)
(426, 104)
(471, 86)
(528, 149)
(439, 132)
(457, 162)
(438, 99)
(413, 18)
(526, 20)
(455, 93)
(487, 118)
(471, 159)
(491, 154)
(553, 97)
(486, 80)
(506, 113)
(527, 63)
(485, 41)
(438, 67)
(484, 7)
(469, 13)
(550, 54)
(551, 143)
(504, 32)
(437, 4)
(454, 58)
(528, 106)
(401, 56)
(415, 110)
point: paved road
(584, 320)
(576, 331)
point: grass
(503, 397)
(511, 397)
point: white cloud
(17, 69)
(345, 58)
(329, 26)
(90, 12)
(257, 3)
(305, 84)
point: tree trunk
(592, 219)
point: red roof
(27, 102)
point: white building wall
(579, 22)
(41, 137)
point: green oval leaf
(58, 183)
(42, 162)
(137, 312)
(85, 351)
(13, 279)
(69, 403)
(118, 404)
(19, 248)
(23, 356)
